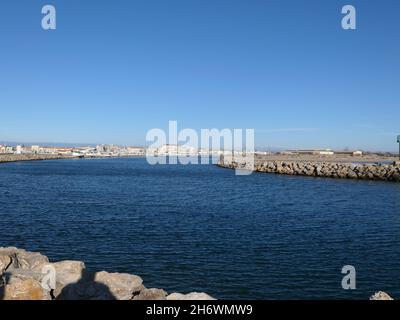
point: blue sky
(115, 69)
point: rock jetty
(30, 276)
(343, 170)
(31, 157)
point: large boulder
(190, 296)
(28, 276)
(102, 286)
(380, 295)
(67, 272)
(23, 260)
(151, 294)
(22, 274)
(85, 289)
(121, 285)
(24, 289)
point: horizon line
(260, 148)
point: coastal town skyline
(392, 150)
(98, 150)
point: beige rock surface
(190, 296)
(25, 276)
(380, 295)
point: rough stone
(376, 171)
(151, 294)
(22, 273)
(5, 261)
(190, 296)
(121, 285)
(67, 273)
(24, 289)
(380, 295)
(86, 289)
(24, 260)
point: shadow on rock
(87, 288)
(4, 279)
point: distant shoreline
(4, 158)
(365, 159)
(7, 158)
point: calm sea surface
(201, 228)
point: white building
(100, 148)
(174, 149)
(18, 149)
(36, 149)
(135, 150)
(320, 152)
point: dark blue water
(201, 228)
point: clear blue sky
(114, 69)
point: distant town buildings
(164, 150)
(18, 149)
(6, 149)
(36, 149)
(175, 149)
(101, 150)
(322, 152)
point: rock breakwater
(367, 171)
(31, 157)
(30, 276)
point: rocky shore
(31, 157)
(30, 276)
(331, 169)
